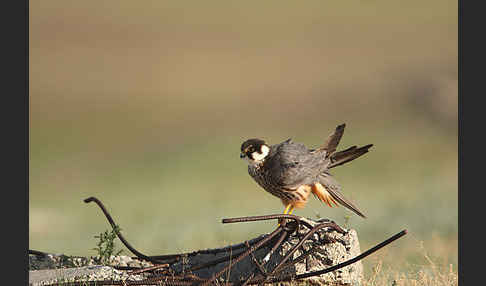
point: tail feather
(338, 196)
(347, 155)
(333, 140)
(323, 195)
(328, 190)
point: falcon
(291, 171)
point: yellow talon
(287, 209)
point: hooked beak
(242, 155)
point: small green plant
(106, 245)
(346, 221)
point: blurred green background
(144, 105)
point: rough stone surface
(52, 268)
(57, 261)
(85, 273)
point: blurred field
(145, 108)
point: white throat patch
(259, 157)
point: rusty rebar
(120, 236)
(266, 258)
(258, 264)
(297, 219)
(265, 217)
(248, 279)
(155, 267)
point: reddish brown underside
(303, 193)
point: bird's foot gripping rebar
(297, 249)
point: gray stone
(41, 277)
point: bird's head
(254, 150)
